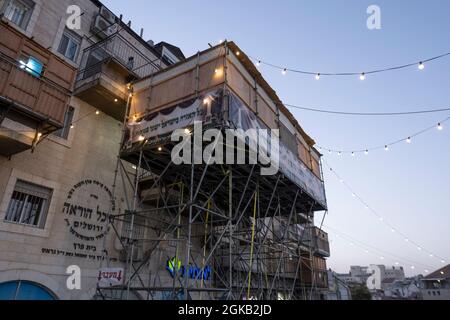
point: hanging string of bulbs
(387, 146)
(361, 75)
(379, 253)
(382, 220)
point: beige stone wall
(89, 153)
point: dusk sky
(408, 185)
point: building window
(32, 66)
(29, 204)
(68, 118)
(17, 11)
(70, 45)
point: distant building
(436, 286)
(408, 289)
(357, 274)
(338, 289)
(382, 277)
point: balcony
(106, 69)
(35, 88)
(321, 244)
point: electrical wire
(366, 114)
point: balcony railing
(321, 244)
(120, 50)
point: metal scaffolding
(210, 231)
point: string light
(380, 253)
(159, 149)
(284, 72)
(387, 146)
(317, 76)
(362, 76)
(97, 112)
(419, 64)
(394, 230)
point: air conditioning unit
(108, 15)
(103, 28)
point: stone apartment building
(62, 103)
(65, 96)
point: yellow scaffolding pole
(252, 244)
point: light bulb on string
(353, 154)
(440, 127)
(421, 65)
(284, 72)
(366, 152)
(362, 76)
(317, 76)
(386, 148)
(408, 140)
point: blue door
(24, 290)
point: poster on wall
(108, 277)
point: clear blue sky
(409, 185)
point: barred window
(29, 204)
